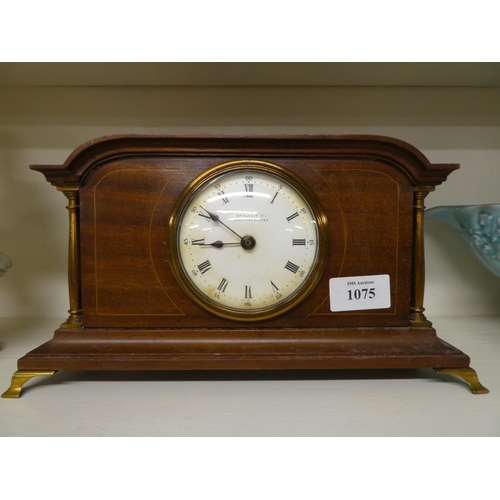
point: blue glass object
(479, 225)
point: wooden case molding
(127, 312)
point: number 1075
(361, 293)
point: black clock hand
(216, 218)
(247, 242)
(220, 244)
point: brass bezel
(264, 313)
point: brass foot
(467, 374)
(19, 379)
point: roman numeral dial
(223, 285)
(290, 266)
(204, 267)
(247, 240)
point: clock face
(248, 240)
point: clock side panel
(120, 283)
(127, 280)
(375, 205)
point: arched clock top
(401, 155)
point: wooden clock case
(127, 311)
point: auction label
(360, 292)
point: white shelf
(251, 74)
(347, 403)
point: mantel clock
(245, 253)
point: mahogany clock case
(127, 279)
(129, 312)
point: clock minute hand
(247, 242)
(216, 218)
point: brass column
(75, 301)
(417, 317)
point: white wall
(43, 125)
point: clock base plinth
(339, 348)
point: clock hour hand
(220, 244)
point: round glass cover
(248, 240)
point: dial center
(248, 242)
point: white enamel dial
(247, 242)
